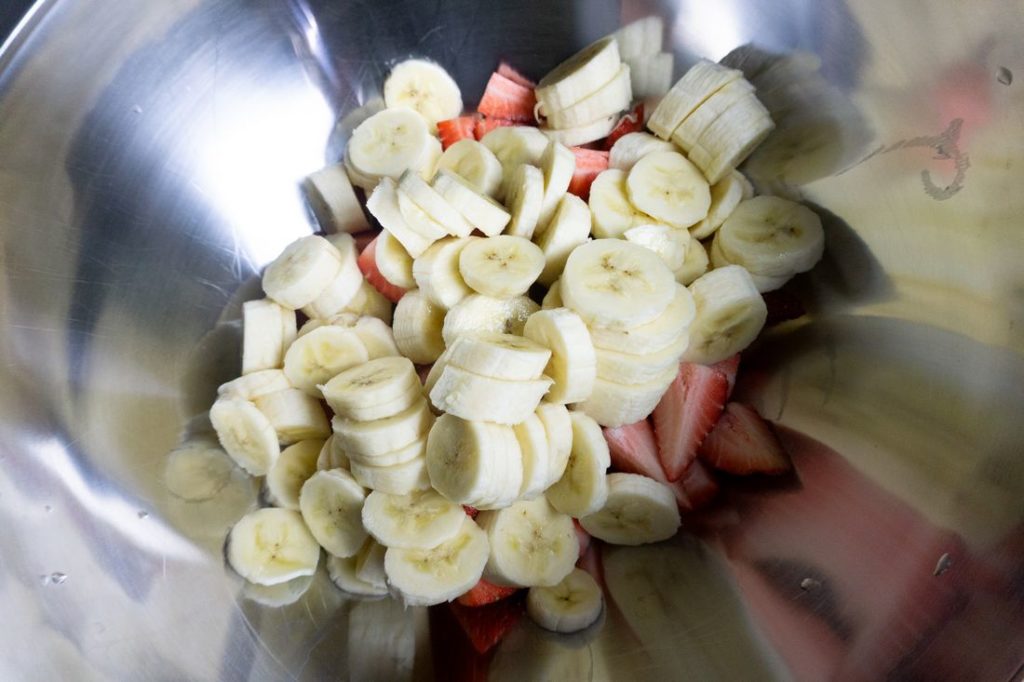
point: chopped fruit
(486, 593)
(486, 625)
(471, 512)
(686, 414)
(783, 305)
(742, 442)
(508, 72)
(589, 164)
(632, 122)
(368, 265)
(486, 125)
(364, 238)
(699, 485)
(455, 129)
(590, 561)
(729, 367)
(504, 98)
(582, 536)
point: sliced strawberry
(504, 98)
(698, 484)
(455, 129)
(582, 537)
(471, 512)
(368, 264)
(632, 122)
(486, 625)
(486, 125)
(484, 593)
(508, 72)
(729, 367)
(589, 164)
(742, 442)
(455, 658)
(590, 561)
(686, 414)
(364, 238)
(783, 305)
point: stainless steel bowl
(150, 154)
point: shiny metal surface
(150, 154)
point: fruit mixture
(536, 350)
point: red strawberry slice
(455, 129)
(729, 367)
(364, 238)
(742, 442)
(698, 484)
(486, 625)
(783, 305)
(484, 593)
(508, 72)
(632, 122)
(471, 512)
(686, 414)
(582, 537)
(504, 98)
(589, 164)
(486, 125)
(368, 264)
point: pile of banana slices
(527, 319)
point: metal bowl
(150, 158)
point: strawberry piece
(742, 442)
(484, 593)
(455, 129)
(590, 561)
(686, 414)
(783, 305)
(364, 238)
(698, 484)
(368, 265)
(729, 367)
(471, 512)
(455, 659)
(582, 537)
(632, 122)
(504, 98)
(486, 125)
(485, 626)
(589, 164)
(508, 72)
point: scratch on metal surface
(425, 36)
(261, 643)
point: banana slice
(612, 404)
(418, 325)
(406, 453)
(437, 272)
(474, 463)
(369, 302)
(376, 336)
(639, 510)
(612, 210)
(612, 283)
(393, 261)
(293, 468)
(502, 266)
(524, 196)
(331, 503)
(434, 374)
(500, 356)
(342, 572)
(572, 365)
(272, 546)
(302, 272)
(473, 396)
(276, 596)
(370, 438)
(345, 284)
(552, 298)
(533, 443)
(419, 520)
(369, 564)
(584, 134)
(670, 188)
(628, 368)
(730, 315)
(251, 386)
(320, 355)
(429, 167)
(197, 470)
(558, 427)
(698, 84)
(568, 228)
(482, 212)
(653, 336)
(423, 577)
(582, 489)
(246, 434)
(373, 390)
(695, 265)
(579, 76)
(731, 138)
(477, 313)
(514, 146)
(530, 544)
(762, 282)
(670, 243)
(434, 205)
(333, 200)
(574, 604)
(418, 220)
(294, 415)
(389, 143)
(266, 333)
(397, 479)
(558, 165)
(726, 195)
(609, 99)
(424, 87)
(773, 237)
(383, 204)
(475, 164)
(363, 181)
(689, 131)
(651, 75)
(331, 456)
(632, 147)
(640, 38)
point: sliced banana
(670, 188)
(343, 288)
(533, 443)
(473, 396)
(334, 202)
(726, 195)
(640, 38)
(383, 205)
(558, 165)
(437, 272)
(435, 205)
(293, 468)
(670, 243)
(582, 489)
(574, 604)
(632, 147)
(342, 572)
(482, 212)
(364, 181)
(607, 100)
(773, 237)
(281, 594)
(612, 404)
(331, 503)
(613, 283)
(418, 325)
(552, 298)
(639, 510)
(424, 87)
(272, 546)
(294, 415)
(611, 208)
(730, 315)
(415, 217)
(370, 564)
(514, 146)
(331, 456)
(572, 365)
(654, 336)
(568, 228)
(474, 463)
(370, 438)
(687, 133)
(477, 313)
(530, 544)
(302, 272)
(423, 577)
(629, 368)
(584, 134)
(320, 355)
(651, 75)
(374, 389)
(406, 453)
(393, 261)
(265, 334)
(558, 427)
(397, 479)
(475, 164)
(731, 138)
(579, 76)
(197, 470)
(251, 386)
(388, 143)
(501, 356)
(376, 335)
(524, 196)
(695, 265)
(419, 520)
(703, 80)
(762, 282)
(246, 434)
(370, 303)
(502, 266)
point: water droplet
(1004, 75)
(136, 109)
(809, 584)
(143, 514)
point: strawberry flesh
(742, 442)
(504, 98)
(729, 367)
(368, 265)
(589, 164)
(633, 122)
(455, 129)
(686, 414)
(484, 593)
(485, 626)
(486, 125)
